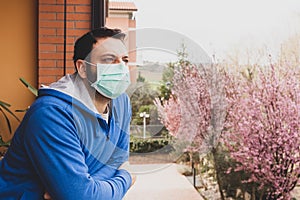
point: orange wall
(18, 53)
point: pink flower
(262, 127)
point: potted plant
(6, 112)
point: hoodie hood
(73, 85)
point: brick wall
(51, 36)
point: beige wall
(18, 53)
(125, 24)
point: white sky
(218, 26)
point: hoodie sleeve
(122, 114)
(55, 152)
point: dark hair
(84, 45)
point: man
(74, 138)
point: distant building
(121, 14)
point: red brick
(47, 48)
(70, 63)
(69, 55)
(46, 80)
(72, 32)
(83, 24)
(60, 2)
(51, 8)
(49, 16)
(47, 2)
(51, 39)
(47, 63)
(70, 24)
(70, 8)
(70, 40)
(56, 56)
(85, 2)
(51, 24)
(51, 71)
(60, 32)
(74, 16)
(82, 9)
(60, 48)
(51, 35)
(78, 16)
(70, 70)
(60, 16)
(76, 32)
(69, 48)
(60, 63)
(47, 31)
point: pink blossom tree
(262, 130)
(195, 110)
(187, 113)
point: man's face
(106, 51)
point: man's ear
(81, 68)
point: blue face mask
(112, 79)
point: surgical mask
(112, 79)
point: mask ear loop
(92, 64)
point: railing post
(194, 174)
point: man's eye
(108, 60)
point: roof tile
(118, 5)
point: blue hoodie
(65, 147)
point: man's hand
(133, 178)
(127, 167)
(47, 196)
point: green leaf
(32, 89)
(22, 110)
(2, 103)
(7, 120)
(5, 107)
(4, 144)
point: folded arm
(55, 152)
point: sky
(219, 26)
